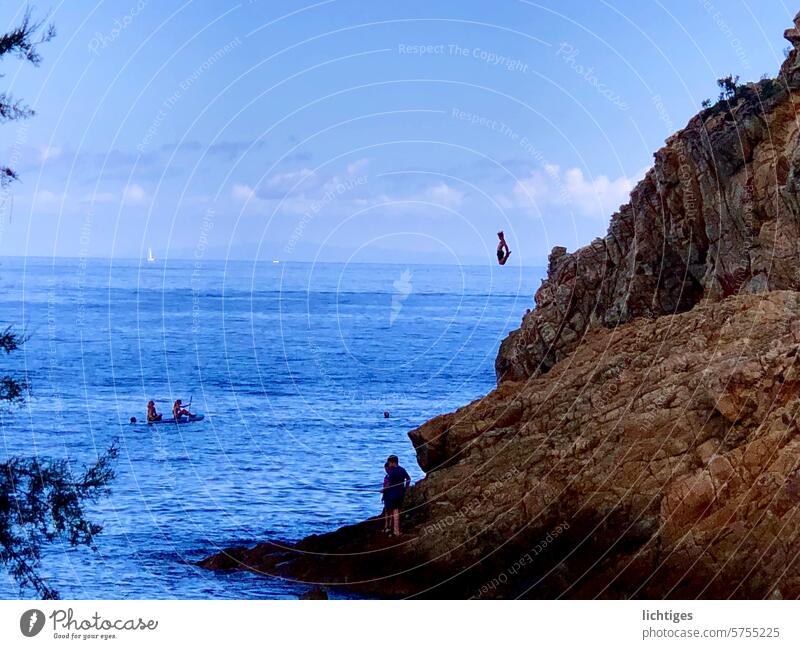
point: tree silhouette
(22, 41)
(41, 500)
(728, 85)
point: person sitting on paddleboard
(152, 415)
(502, 249)
(179, 411)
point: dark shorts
(500, 255)
(393, 502)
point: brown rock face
(643, 440)
(717, 215)
(661, 459)
(667, 449)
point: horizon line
(250, 260)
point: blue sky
(356, 130)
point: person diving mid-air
(502, 249)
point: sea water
(293, 365)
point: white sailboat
(150, 257)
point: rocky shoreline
(643, 439)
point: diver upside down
(502, 249)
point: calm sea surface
(293, 366)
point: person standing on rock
(387, 520)
(398, 481)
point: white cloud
(266, 203)
(354, 168)
(46, 197)
(242, 193)
(303, 190)
(99, 197)
(287, 180)
(443, 194)
(294, 204)
(598, 197)
(50, 152)
(133, 194)
(504, 202)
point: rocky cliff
(643, 437)
(717, 215)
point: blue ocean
(293, 366)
